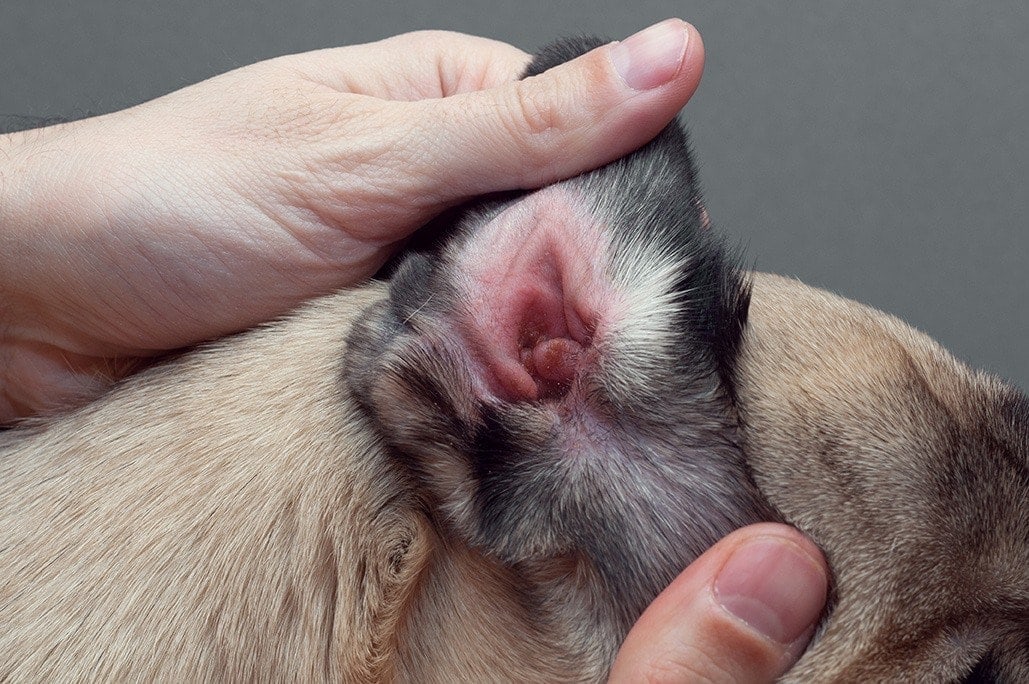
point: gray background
(878, 149)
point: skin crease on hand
(229, 202)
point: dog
(487, 466)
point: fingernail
(774, 586)
(651, 57)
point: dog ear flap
(1015, 413)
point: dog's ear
(1015, 412)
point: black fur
(986, 671)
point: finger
(414, 66)
(574, 117)
(743, 612)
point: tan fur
(871, 438)
(230, 516)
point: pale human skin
(229, 202)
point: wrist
(30, 167)
(13, 154)
(37, 167)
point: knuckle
(538, 114)
(538, 127)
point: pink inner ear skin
(538, 293)
(555, 360)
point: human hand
(227, 203)
(742, 612)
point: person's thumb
(574, 117)
(742, 612)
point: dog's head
(909, 469)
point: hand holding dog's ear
(227, 203)
(742, 612)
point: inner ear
(538, 294)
